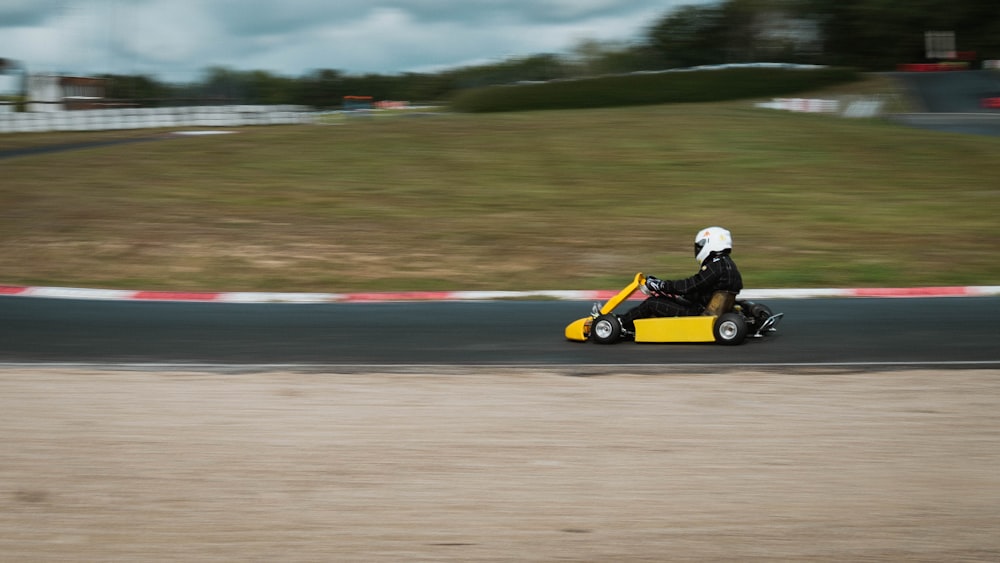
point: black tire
(605, 329)
(730, 329)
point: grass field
(536, 200)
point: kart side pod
(675, 329)
(662, 329)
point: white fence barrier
(864, 109)
(810, 105)
(148, 118)
(850, 108)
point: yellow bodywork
(579, 329)
(675, 329)
(660, 329)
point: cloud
(22, 13)
(176, 39)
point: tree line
(864, 34)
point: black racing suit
(690, 296)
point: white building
(48, 93)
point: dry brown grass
(506, 201)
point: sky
(176, 40)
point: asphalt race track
(952, 92)
(952, 101)
(836, 332)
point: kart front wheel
(605, 329)
(730, 329)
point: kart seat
(721, 302)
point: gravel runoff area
(506, 464)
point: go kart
(725, 320)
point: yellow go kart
(725, 320)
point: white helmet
(710, 240)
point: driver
(690, 296)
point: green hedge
(650, 88)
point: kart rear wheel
(605, 329)
(730, 329)
(760, 312)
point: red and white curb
(564, 295)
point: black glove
(656, 285)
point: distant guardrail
(150, 118)
(946, 66)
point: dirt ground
(499, 465)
